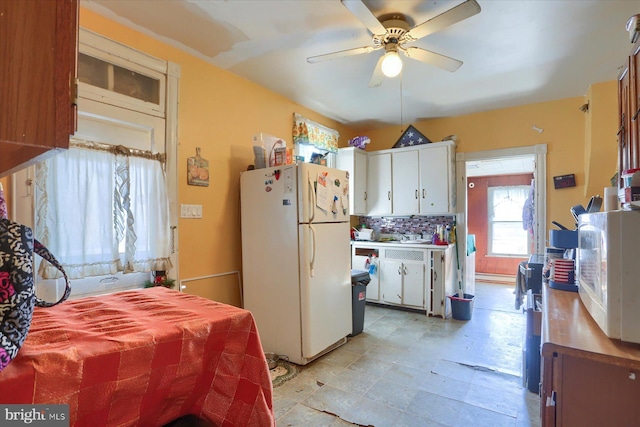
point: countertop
(396, 243)
(569, 328)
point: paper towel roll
(610, 199)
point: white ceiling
(514, 52)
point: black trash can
(359, 281)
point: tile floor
(406, 369)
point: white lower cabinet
(408, 277)
(391, 280)
(413, 284)
(402, 277)
(443, 282)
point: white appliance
(296, 258)
(608, 250)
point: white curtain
(100, 213)
(147, 245)
(505, 203)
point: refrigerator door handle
(312, 197)
(313, 249)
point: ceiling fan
(392, 34)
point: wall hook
(537, 129)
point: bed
(144, 358)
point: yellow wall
(601, 142)
(220, 113)
(564, 133)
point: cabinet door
(413, 289)
(634, 104)
(592, 393)
(404, 172)
(379, 184)
(624, 118)
(438, 300)
(434, 180)
(359, 188)
(391, 281)
(38, 51)
(354, 161)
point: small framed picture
(198, 170)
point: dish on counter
(415, 241)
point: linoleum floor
(406, 369)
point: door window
(506, 233)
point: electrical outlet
(190, 211)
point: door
(413, 292)
(379, 184)
(438, 299)
(434, 180)
(323, 193)
(391, 281)
(359, 190)
(325, 285)
(404, 172)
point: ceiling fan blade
(342, 53)
(460, 12)
(364, 15)
(377, 77)
(432, 58)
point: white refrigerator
(296, 258)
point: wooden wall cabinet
(38, 51)
(629, 112)
(587, 378)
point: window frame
(23, 199)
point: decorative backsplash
(402, 225)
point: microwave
(608, 268)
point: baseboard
(496, 278)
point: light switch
(190, 211)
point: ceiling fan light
(391, 64)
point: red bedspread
(144, 358)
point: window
(102, 211)
(506, 234)
(86, 204)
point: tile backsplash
(402, 225)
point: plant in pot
(160, 280)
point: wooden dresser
(587, 378)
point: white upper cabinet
(379, 184)
(354, 160)
(419, 180)
(404, 182)
(437, 179)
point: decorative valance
(307, 131)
